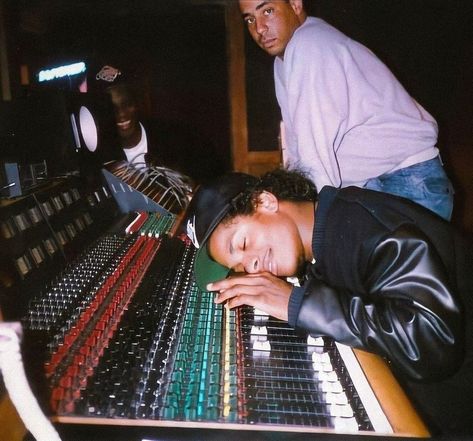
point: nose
(261, 26)
(120, 111)
(252, 265)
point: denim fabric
(425, 183)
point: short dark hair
(285, 184)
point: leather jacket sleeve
(408, 312)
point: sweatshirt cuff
(295, 302)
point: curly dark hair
(285, 184)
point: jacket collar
(325, 201)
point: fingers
(236, 291)
(263, 291)
(242, 279)
(241, 300)
(249, 285)
(235, 299)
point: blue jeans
(425, 183)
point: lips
(124, 125)
(268, 42)
(268, 263)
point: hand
(264, 291)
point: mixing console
(130, 336)
(117, 334)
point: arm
(408, 313)
(313, 103)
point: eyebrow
(258, 7)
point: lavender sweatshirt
(346, 117)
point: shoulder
(365, 210)
(316, 46)
(379, 205)
(315, 34)
(319, 44)
(369, 209)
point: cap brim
(206, 270)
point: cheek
(283, 31)
(254, 35)
(129, 110)
(287, 248)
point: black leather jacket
(384, 280)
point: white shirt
(136, 155)
(347, 118)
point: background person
(148, 142)
(347, 119)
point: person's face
(272, 23)
(267, 240)
(126, 112)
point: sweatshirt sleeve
(316, 107)
(408, 313)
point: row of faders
(290, 379)
(105, 325)
(132, 337)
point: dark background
(177, 50)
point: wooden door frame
(243, 159)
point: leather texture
(390, 277)
(407, 313)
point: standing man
(348, 120)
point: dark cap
(210, 204)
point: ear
(267, 202)
(298, 8)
